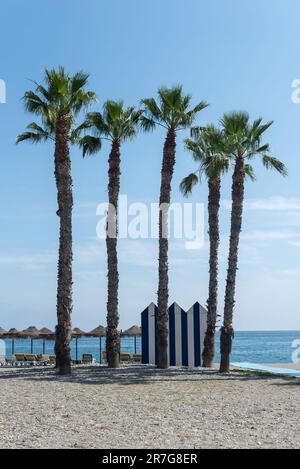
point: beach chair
(31, 358)
(137, 357)
(52, 359)
(44, 359)
(87, 358)
(19, 359)
(125, 357)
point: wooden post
(100, 350)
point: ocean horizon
(251, 346)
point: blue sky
(233, 54)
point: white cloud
(269, 235)
(295, 243)
(275, 203)
(32, 261)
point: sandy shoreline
(137, 407)
(289, 366)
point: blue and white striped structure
(186, 335)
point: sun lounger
(31, 358)
(137, 357)
(87, 358)
(125, 357)
(19, 359)
(44, 359)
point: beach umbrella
(46, 334)
(3, 333)
(100, 332)
(32, 333)
(12, 334)
(77, 333)
(133, 331)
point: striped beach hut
(186, 335)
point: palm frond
(34, 134)
(61, 94)
(75, 133)
(90, 145)
(151, 109)
(249, 172)
(78, 81)
(171, 110)
(270, 162)
(195, 148)
(115, 122)
(188, 183)
(147, 124)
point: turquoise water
(255, 347)
(262, 347)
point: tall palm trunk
(163, 283)
(64, 288)
(112, 335)
(214, 193)
(227, 332)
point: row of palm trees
(232, 146)
(58, 103)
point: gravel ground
(140, 407)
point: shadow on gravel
(294, 382)
(126, 376)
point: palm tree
(117, 124)
(57, 104)
(207, 147)
(172, 112)
(244, 142)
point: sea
(250, 346)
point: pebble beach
(142, 407)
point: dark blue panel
(184, 339)
(172, 350)
(145, 336)
(196, 313)
(156, 342)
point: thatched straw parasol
(100, 332)
(77, 333)
(3, 332)
(133, 331)
(30, 333)
(46, 334)
(12, 334)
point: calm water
(257, 347)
